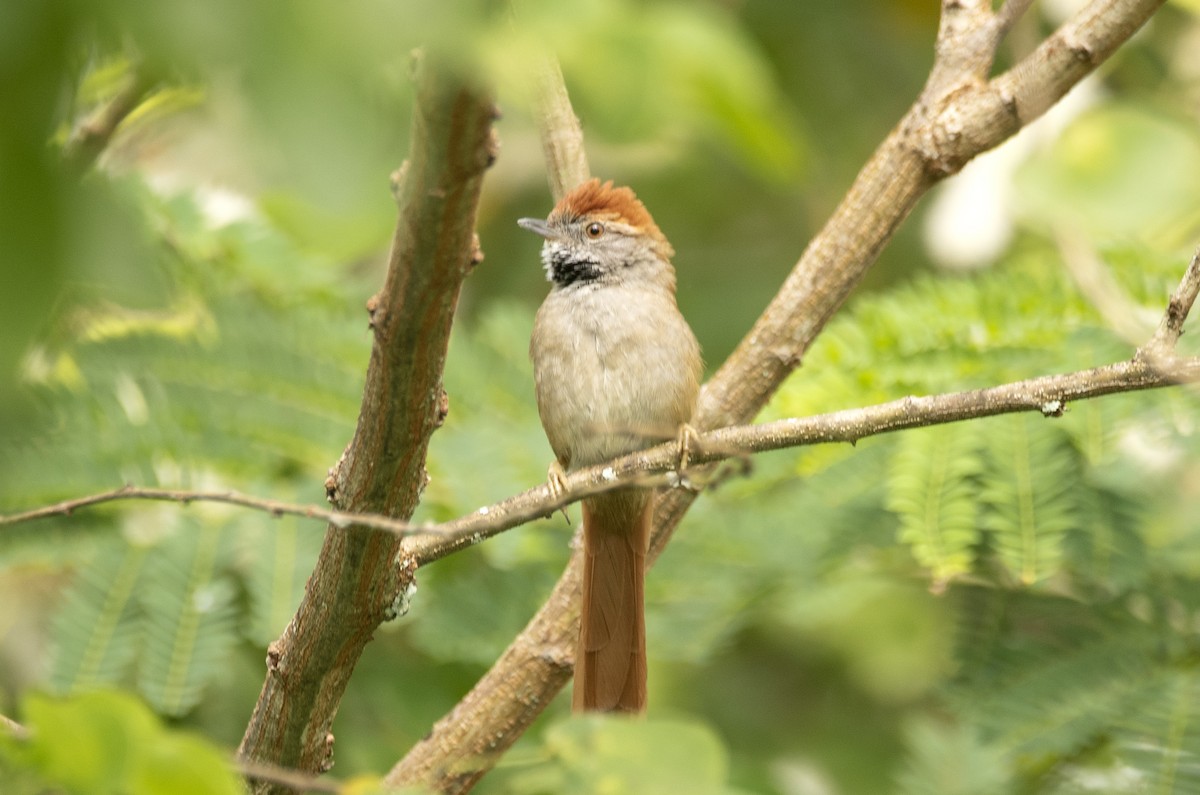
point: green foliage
(711, 81)
(932, 491)
(97, 628)
(1001, 606)
(619, 755)
(1008, 516)
(1027, 496)
(190, 619)
(951, 760)
(279, 560)
(228, 379)
(1094, 176)
(108, 742)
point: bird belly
(610, 379)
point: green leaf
(183, 764)
(190, 617)
(932, 488)
(604, 755)
(951, 760)
(1161, 736)
(97, 628)
(108, 742)
(1029, 492)
(1118, 171)
(1053, 694)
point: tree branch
(357, 582)
(1178, 307)
(90, 138)
(562, 137)
(276, 508)
(464, 745)
(957, 117)
(13, 729)
(654, 467)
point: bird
(616, 369)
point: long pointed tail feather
(610, 662)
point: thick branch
(948, 125)
(357, 583)
(975, 117)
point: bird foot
(556, 483)
(687, 439)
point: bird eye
(594, 230)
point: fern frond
(951, 760)
(1161, 736)
(190, 623)
(96, 629)
(931, 487)
(1058, 701)
(1106, 550)
(1031, 477)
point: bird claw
(687, 438)
(556, 482)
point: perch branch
(958, 115)
(654, 466)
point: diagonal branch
(562, 137)
(90, 138)
(1008, 14)
(357, 582)
(957, 117)
(1178, 307)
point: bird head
(597, 235)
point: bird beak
(537, 226)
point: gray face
(582, 251)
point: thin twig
(277, 508)
(14, 729)
(1098, 286)
(562, 137)
(1180, 304)
(286, 777)
(91, 137)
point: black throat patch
(569, 267)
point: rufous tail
(610, 661)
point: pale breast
(616, 369)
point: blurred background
(1006, 606)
